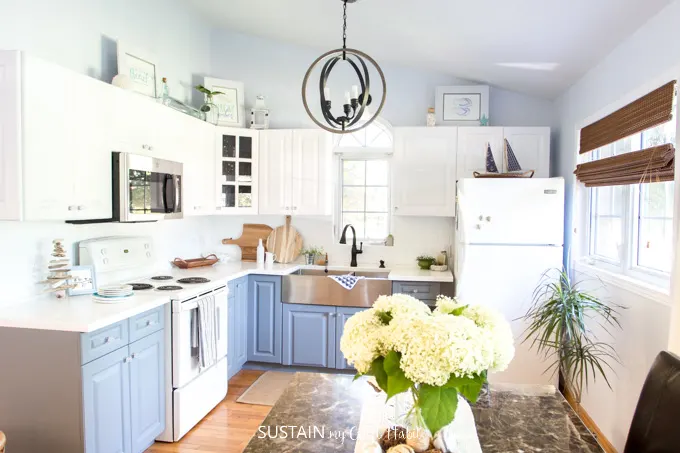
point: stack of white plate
(112, 293)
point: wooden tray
(195, 262)
(525, 174)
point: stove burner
(140, 286)
(161, 277)
(193, 280)
(169, 288)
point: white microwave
(146, 189)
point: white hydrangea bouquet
(435, 355)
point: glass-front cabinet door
(237, 152)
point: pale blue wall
(276, 70)
(79, 34)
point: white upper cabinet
(472, 145)
(198, 159)
(61, 144)
(276, 152)
(531, 146)
(424, 171)
(237, 170)
(10, 136)
(295, 172)
(311, 176)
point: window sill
(641, 288)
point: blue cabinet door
(106, 403)
(309, 335)
(147, 390)
(264, 319)
(343, 314)
(241, 314)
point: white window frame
(361, 156)
(627, 273)
(361, 153)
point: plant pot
(425, 264)
(309, 259)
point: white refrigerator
(509, 232)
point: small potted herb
(212, 113)
(425, 261)
(311, 253)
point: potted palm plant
(560, 320)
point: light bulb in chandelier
(356, 99)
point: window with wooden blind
(627, 166)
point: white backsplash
(26, 246)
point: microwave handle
(172, 205)
(178, 194)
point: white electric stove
(191, 391)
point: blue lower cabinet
(106, 403)
(241, 314)
(309, 335)
(232, 367)
(343, 314)
(147, 390)
(264, 319)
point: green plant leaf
(468, 387)
(215, 93)
(459, 311)
(385, 317)
(378, 371)
(438, 405)
(202, 89)
(397, 382)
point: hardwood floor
(228, 428)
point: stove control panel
(116, 253)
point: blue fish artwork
(463, 106)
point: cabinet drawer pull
(150, 323)
(134, 355)
(127, 359)
(108, 340)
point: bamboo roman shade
(649, 111)
(655, 164)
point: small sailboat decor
(514, 169)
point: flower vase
(310, 259)
(460, 436)
(211, 111)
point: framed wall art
(462, 105)
(83, 279)
(231, 104)
(140, 67)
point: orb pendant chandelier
(356, 99)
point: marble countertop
(82, 314)
(328, 408)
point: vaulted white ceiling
(539, 47)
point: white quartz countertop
(82, 314)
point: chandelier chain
(344, 25)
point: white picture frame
(462, 105)
(84, 279)
(141, 68)
(231, 104)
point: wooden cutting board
(285, 242)
(252, 233)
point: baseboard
(590, 424)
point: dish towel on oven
(346, 281)
(207, 335)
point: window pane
(376, 226)
(659, 135)
(356, 220)
(655, 241)
(354, 173)
(353, 198)
(606, 221)
(377, 173)
(377, 199)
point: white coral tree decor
(434, 355)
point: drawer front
(147, 323)
(100, 342)
(420, 290)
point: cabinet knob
(150, 323)
(294, 208)
(488, 218)
(134, 355)
(481, 217)
(81, 208)
(478, 227)
(415, 291)
(127, 359)
(396, 207)
(71, 208)
(107, 340)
